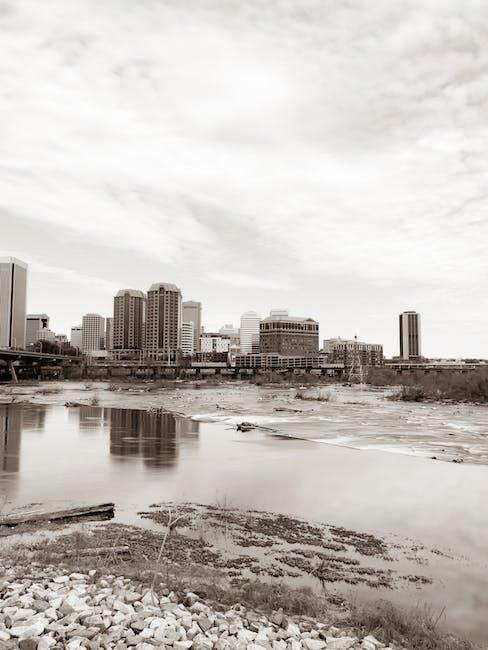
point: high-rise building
(34, 323)
(249, 333)
(163, 320)
(192, 313)
(13, 295)
(76, 340)
(344, 351)
(109, 333)
(288, 335)
(187, 338)
(93, 333)
(233, 334)
(410, 339)
(128, 321)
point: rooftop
(134, 293)
(288, 319)
(166, 286)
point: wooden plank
(104, 509)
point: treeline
(471, 386)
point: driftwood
(98, 550)
(104, 510)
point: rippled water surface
(55, 455)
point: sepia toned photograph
(244, 324)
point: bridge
(16, 359)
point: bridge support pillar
(13, 374)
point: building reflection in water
(10, 431)
(33, 417)
(153, 437)
(91, 418)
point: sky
(326, 156)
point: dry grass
(418, 628)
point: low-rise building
(344, 350)
(210, 342)
(285, 362)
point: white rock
(26, 631)
(46, 642)
(374, 641)
(182, 645)
(313, 644)
(341, 643)
(4, 636)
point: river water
(376, 474)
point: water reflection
(154, 437)
(91, 418)
(10, 429)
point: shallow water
(58, 456)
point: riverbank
(139, 598)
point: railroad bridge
(15, 363)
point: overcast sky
(326, 156)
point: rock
(313, 644)
(28, 644)
(341, 643)
(46, 642)
(182, 645)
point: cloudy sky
(329, 156)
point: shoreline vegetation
(452, 387)
(165, 559)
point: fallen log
(102, 511)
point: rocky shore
(45, 607)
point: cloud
(282, 146)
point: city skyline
(257, 158)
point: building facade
(128, 320)
(34, 323)
(163, 321)
(344, 350)
(76, 339)
(187, 338)
(109, 333)
(284, 363)
(93, 333)
(214, 343)
(410, 339)
(288, 335)
(192, 313)
(13, 297)
(249, 332)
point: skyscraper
(76, 340)
(249, 333)
(93, 333)
(13, 294)
(128, 322)
(192, 313)
(34, 323)
(163, 320)
(109, 333)
(410, 339)
(187, 338)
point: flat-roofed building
(93, 333)
(288, 335)
(344, 350)
(214, 343)
(76, 339)
(163, 321)
(13, 296)
(34, 323)
(249, 332)
(192, 313)
(410, 339)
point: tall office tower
(76, 340)
(192, 313)
(13, 293)
(34, 323)
(249, 334)
(163, 319)
(109, 333)
(93, 333)
(410, 340)
(288, 335)
(187, 338)
(129, 309)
